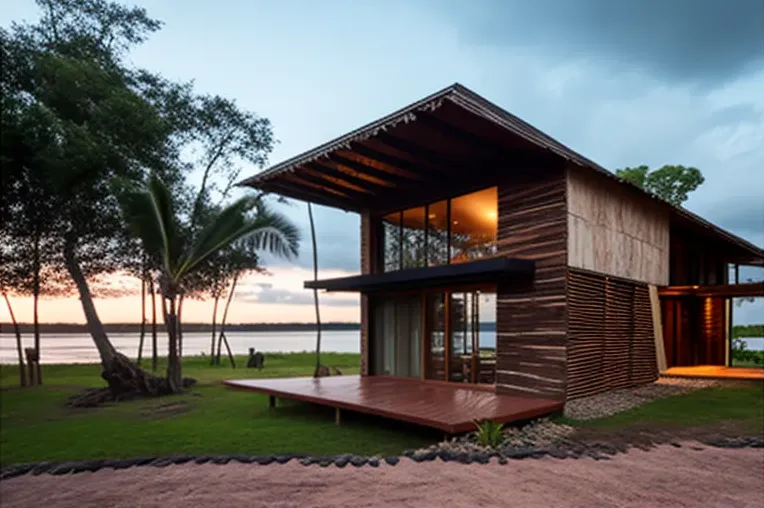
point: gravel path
(610, 403)
(666, 476)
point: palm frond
(149, 214)
(269, 231)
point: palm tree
(152, 218)
(315, 291)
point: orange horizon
(285, 282)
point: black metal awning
(473, 272)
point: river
(79, 347)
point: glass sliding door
(397, 336)
(436, 339)
(463, 337)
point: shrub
(489, 433)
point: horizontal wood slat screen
(610, 343)
(531, 315)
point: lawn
(741, 405)
(36, 425)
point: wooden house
(470, 216)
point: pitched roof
(473, 103)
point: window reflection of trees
(421, 236)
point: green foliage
(742, 355)
(489, 433)
(152, 218)
(671, 182)
(36, 425)
(78, 120)
(742, 331)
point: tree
(74, 118)
(671, 183)
(153, 219)
(315, 290)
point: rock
(181, 459)
(161, 462)
(325, 462)
(265, 460)
(341, 461)
(392, 460)
(558, 453)
(121, 464)
(503, 461)
(61, 469)
(408, 453)
(142, 461)
(221, 460)
(202, 460)
(675, 444)
(283, 459)
(358, 461)
(446, 455)
(374, 462)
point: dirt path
(666, 476)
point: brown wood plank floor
(445, 406)
(716, 372)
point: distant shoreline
(27, 328)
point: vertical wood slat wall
(366, 267)
(610, 342)
(531, 315)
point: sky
(624, 83)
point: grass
(35, 423)
(741, 405)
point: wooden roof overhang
(453, 141)
(473, 272)
(747, 289)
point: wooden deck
(446, 406)
(716, 372)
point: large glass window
(451, 231)
(391, 241)
(414, 223)
(437, 234)
(474, 225)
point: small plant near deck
(489, 433)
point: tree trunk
(315, 291)
(17, 331)
(105, 349)
(230, 354)
(214, 319)
(36, 303)
(143, 319)
(154, 355)
(174, 371)
(225, 313)
(125, 379)
(180, 327)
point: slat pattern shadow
(610, 341)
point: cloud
(704, 42)
(288, 297)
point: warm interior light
(432, 216)
(456, 222)
(491, 214)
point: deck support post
(337, 415)
(272, 402)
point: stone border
(596, 451)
